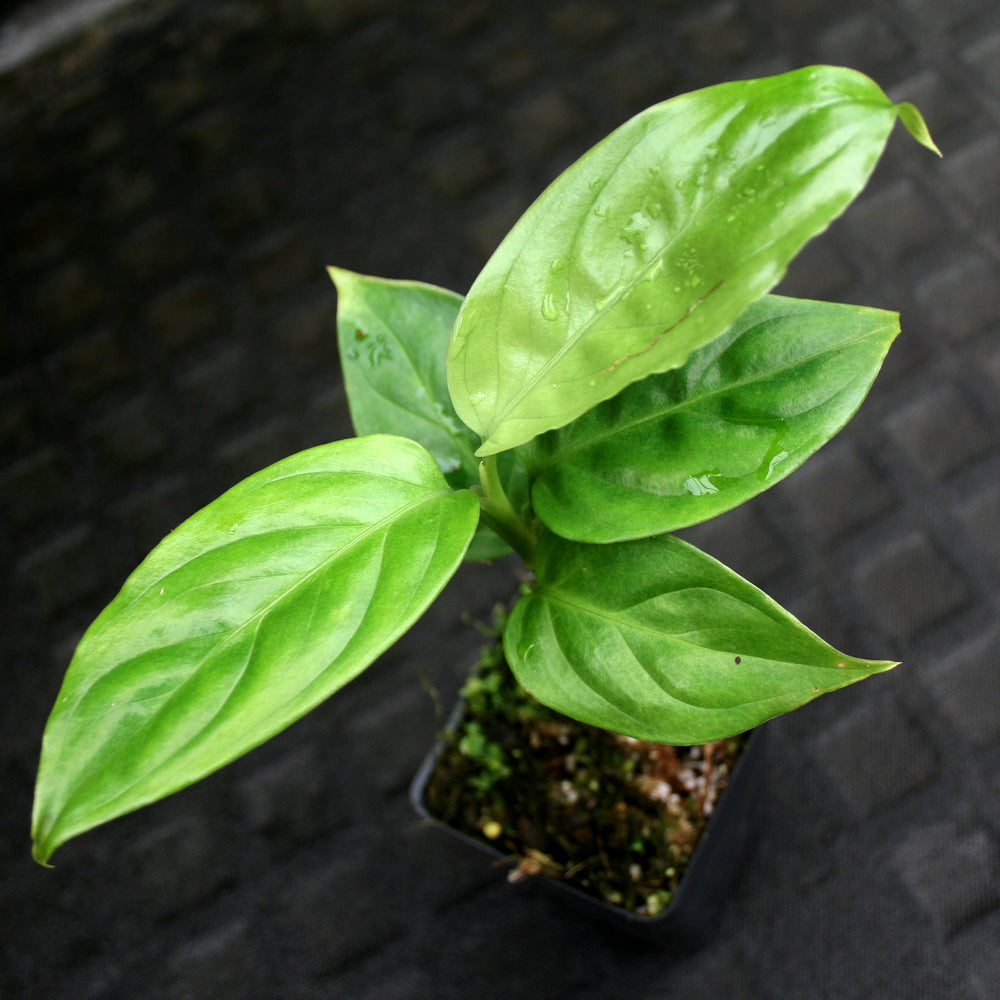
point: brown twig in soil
(704, 804)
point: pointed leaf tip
(41, 856)
(688, 650)
(916, 126)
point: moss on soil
(616, 817)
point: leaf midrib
(559, 456)
(586, 608)
(569, 344)
(231, 635)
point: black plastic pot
(690, 919)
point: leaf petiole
(498, 512)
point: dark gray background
(173, 177)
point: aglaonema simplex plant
(617, 371)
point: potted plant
(636, 833)
(617, 371)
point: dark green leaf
(393, 338)
(655, 241)
(742, 413)
(659, 641)
(243, 619)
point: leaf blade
(743, 412)
(242, 620)
(393, 341)
(393, 338)
(659, 641)
(631, 259)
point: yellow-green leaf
(243, 619)
(655, 241)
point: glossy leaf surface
(655, 241)
(245, 617)
(657, 640)
(742, 413)
(393, 339)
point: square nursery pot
(689, 920)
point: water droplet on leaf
(602, 302)
(774, 455)
(701, 485)
(638, 223)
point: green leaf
(243, 619)
(657, 640)
(393, 338)
(916, 126)
(655, 241)
(742, 413)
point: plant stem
(500, 515)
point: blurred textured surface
(173, 177)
